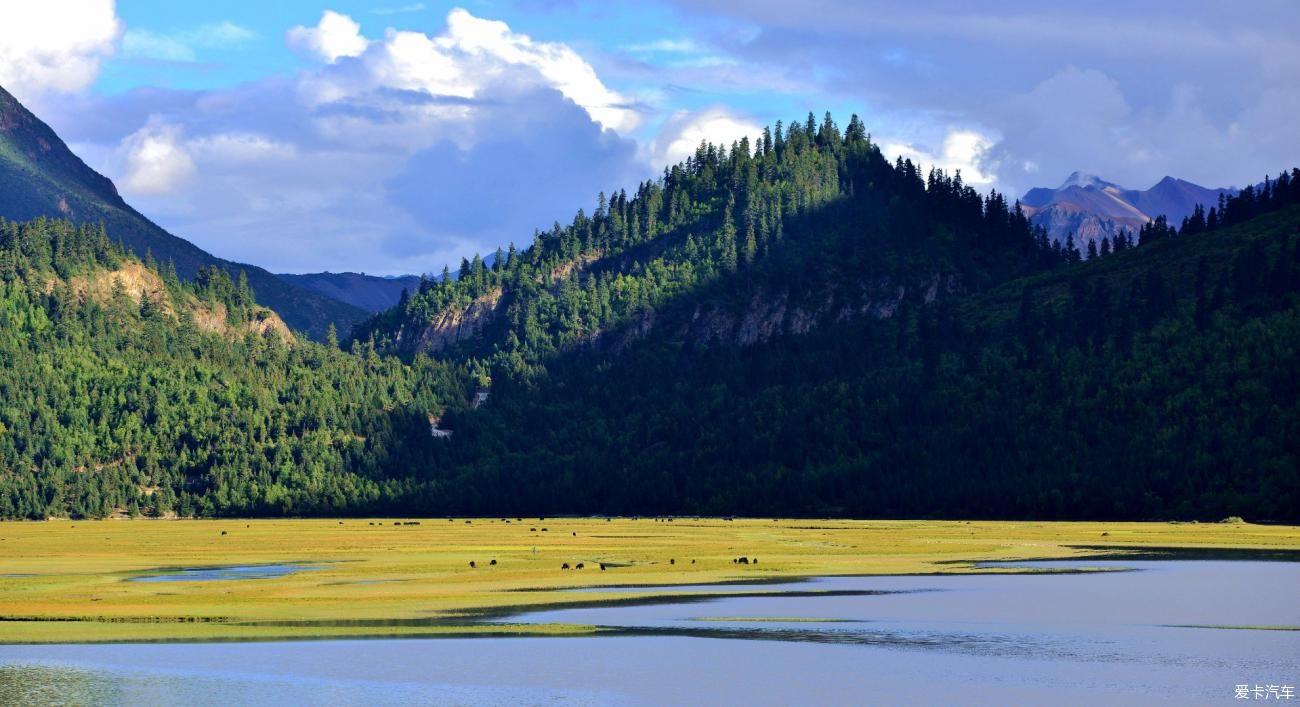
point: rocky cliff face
(1063, 221)
(769, 314)
(132, 278)
(451, 326)
(263, 323)
(138, 283)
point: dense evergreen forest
(807, 206)
(126, 389)
(793, 327)
(1158, 383)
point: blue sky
(615, 41)
(396, 136)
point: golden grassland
(69, 581)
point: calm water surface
(207, 574)
(1106, 638)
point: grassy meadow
(69, 581)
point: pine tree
(727, 238)
(750, 250)
(244, 293)
(1072, 254)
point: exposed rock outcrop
(453, 325)
(770, 314)
(137, 282)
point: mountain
(368, 292)
(1153, 383)
(1175, 199)
(128, 390)
(809, 329)
(1090, 208)
(797, 327)
(40, 176)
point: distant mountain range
(40, 176)
(1090, 208)
(369, 292)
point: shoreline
(75, 582)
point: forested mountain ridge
(40, 176)
(125, 389)
(800, 327)
(810, 329)
(810, 224)
(1158, 382)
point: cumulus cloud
(154, 159)
(1135, 90)
(54, 45)
(684, 131)
(525, 171)
(1083, 119)
(399, 153)
(962, 151)
(472, 53)
(335, 36)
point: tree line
(1154, 378)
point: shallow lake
(207, 574)
(1134, 637)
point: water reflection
(1107, 637)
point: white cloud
(397, 153)
(145, 44)
(54, 45)
(470, 54)
(684, 131)
(238, 148)
(334, 37)
(1083, 119)
(154, 159)
(560, 65)
(1121, 113)
(963, 150)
